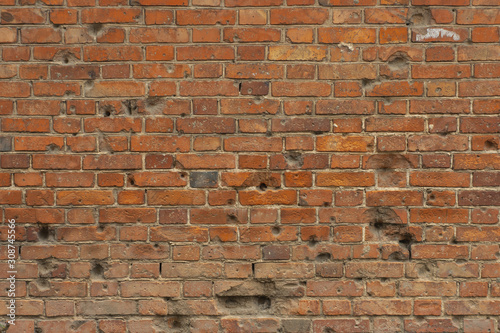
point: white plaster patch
(436, 33)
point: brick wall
(306, 166)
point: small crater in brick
(107, 110)
(42, 284)
(264, 302)
(65, 57)
(294, 159)
(47, 268)
(95, 28)
(52, 147)
(152, 105)
(398, 61)
(44, 233)
(490, 145)
(177, 322)
(420, 16)
(313, 241)
(324, 256)
(130, 106)
(368, 84)
(231, 218)
(275, 231)
(97, 272)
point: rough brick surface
(260, 166)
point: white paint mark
(348, 45)
(436, 33)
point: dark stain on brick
(203, 179)
(5, 144)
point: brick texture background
(307, 166)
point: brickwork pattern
(260, 166)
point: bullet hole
(43, 284)
(94, 28)
(52, 147)
(383, 216)
(426, 269)
(490, 145)
(107, 110)
(175, 322)
(231, 218)
(388, 226)
(44, 233)
(399, 61)
(231, 302)
(367, 82)
(131, 180)
(65, 57)
(97, 271)
(323, 256)
(130, 106)
(398, 256)
(313, 241)
(47, 268)
(294, 159)
(420, 16)
(92, 75)
(264, 302)
(262, 187)
(275, 231)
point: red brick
(299, 16)
(347, 35)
